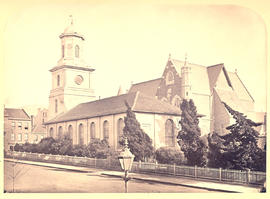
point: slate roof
(39, 128)
(15, 113)
(138, 102)
(148, 87)
(213, 72)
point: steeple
(185, 85)
(71, 46)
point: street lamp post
(126, 160)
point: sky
(130, 42)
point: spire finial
(71, 19)
(169, 56)
(185, 58)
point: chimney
(32, 122)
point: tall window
(63, 50)
(56, 106)
(26, 126)
(92, 130)
(26, 137)
(60, 132)
(58, 80)
(81, 134)
(12, 137)
(169, 133)
(70, 132)
(77, 51)
(19, 125)
(106, 129)
(120, 127)
(51, 132)
(169, 78)
(19, 137)
(13, 124)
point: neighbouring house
(17, 127)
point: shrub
(167, 155)
(98, 148)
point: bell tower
(71, 78)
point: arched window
(63, 50)
(58, 80)
(106, 130)
(169, 133)
(120, 127)
(51, 132)
(60, 132)
(169, 78)
(70, 132)
(81, 136)
(77, 51)
(56, 106)
(92, 130)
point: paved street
(39, 179)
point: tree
(98, 149)
(238, 149)
(45, 145)
(139, 142)
(193, 146)
(168, 155)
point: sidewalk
(180, 181)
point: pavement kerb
(171, 183)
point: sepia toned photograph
(133, 97)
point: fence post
(140, 164)
(248, 175)
(220, 176)
(95, 162)
(174, 169)
(156, 166)
(195, 171)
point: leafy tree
(98, 148)
(238, 149)
(45, 145)
(193, 146)
(62, 146)
(78, 150)
(139, 142)
(168, 155)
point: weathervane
(71, 19)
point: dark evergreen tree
(193, 146)
(238, 149)
(139, 142)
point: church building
(74, 111)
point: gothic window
(77, 51)
(169, 78)
(56, 106)
(58, 80)
(106, 130)
(63, 50)
(93, 130)
(176, 101)
(120, 127)
(81, 136)
(60, 132)
(51, 132)
(70, 132)
(12, 137)
(169, 133)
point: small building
(38, 127)
(17, 127)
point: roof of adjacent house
(138, 101)
(148, 87)
(16, 113)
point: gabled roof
(213, 72)
(148, 87)
(15, 113)
(39, 128)
(138, 101)
(239, 87)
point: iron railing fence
(232, 176)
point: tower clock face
(78, 79)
